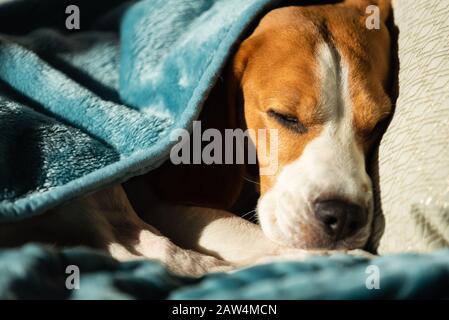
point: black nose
(340, 219)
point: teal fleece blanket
(83, 109)
(40, 273)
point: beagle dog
(318, 76)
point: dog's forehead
(302, 30)
(287, 42)
(297, 48)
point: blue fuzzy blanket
(39, 273)
(80, 110)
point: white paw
(191, 263)
(361, 253)
(176, 259)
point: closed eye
(289, 121)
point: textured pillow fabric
(414, 153)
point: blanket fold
(83, 109)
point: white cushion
(414, 152)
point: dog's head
(319, 76)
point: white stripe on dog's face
(331, 166)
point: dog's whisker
(249, 213)
(252, 181)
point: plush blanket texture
(83, 109)
(39, 273)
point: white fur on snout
(331, 166)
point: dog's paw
(191, 263)
(361, 253)
(177, 260)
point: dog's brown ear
(235, 72)
(363, 5)
(235, 97)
